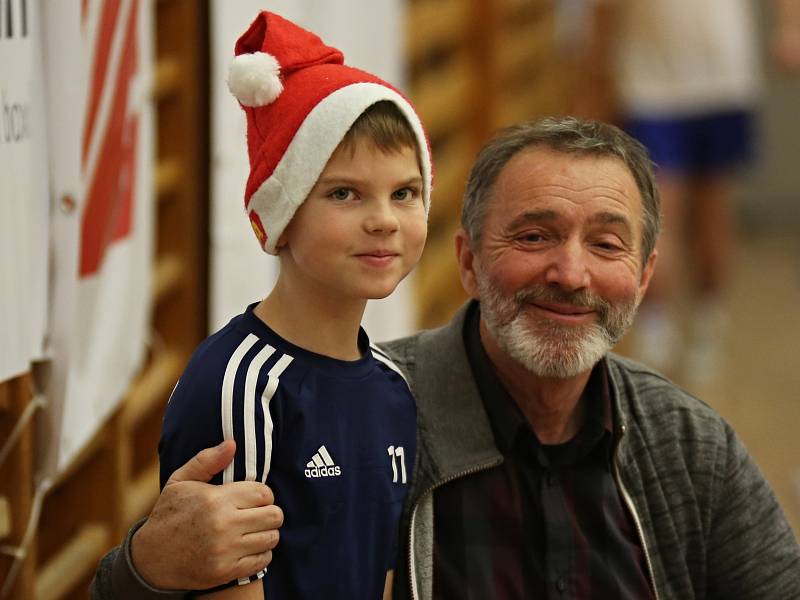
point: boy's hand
(200, 535)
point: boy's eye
(406, 193)
(340, 194)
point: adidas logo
(321, 465)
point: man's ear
(647, 273)
(466, 263)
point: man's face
(559, 272)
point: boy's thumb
(206, 463)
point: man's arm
(197, 536)
(751, 550)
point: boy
(339, 189)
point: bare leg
(712, 232)
(657, 336)
(711, 242)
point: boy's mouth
(377, 258)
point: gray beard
(547, 348)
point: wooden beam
(5, 517)
(142, 493)
(442, 96)
(167, 78)
(5, 402)
(152, 388)
(73, 563)
(433, 24)
(167, 276)
(169, 175)
(453, 161)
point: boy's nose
(381, 218)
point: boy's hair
(385, 126)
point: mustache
(580, 299)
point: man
(548, 467)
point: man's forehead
(537, 168)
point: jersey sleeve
(223, 394)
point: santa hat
(300, 101)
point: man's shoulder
(404, 350)
(655, 404)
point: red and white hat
(300, 101)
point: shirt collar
(506, 418)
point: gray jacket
(709, 522)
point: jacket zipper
(632, 509)
(411, 572)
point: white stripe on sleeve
(250, 411)
(273, 378)
(379, 355)
(227, 396)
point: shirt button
(561, 585)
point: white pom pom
(254, 79)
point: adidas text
(323, 471)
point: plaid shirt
(547, 523)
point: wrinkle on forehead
(549, 174)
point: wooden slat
(5, 401)
(151, 388)
(435, 24)
(167, 78)
(514, 10)
(168, 176)
(523, 47)
(167, 276)
(141, 493)
(539, 99)
(439, 264)
(453, 161)
(442, 96)
(5, 517)
(73, 563)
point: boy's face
(361, 229)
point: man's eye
(532, 237)
(608, 246)
(340, 194)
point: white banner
(23, 189)
(370, 34)
(98, 62)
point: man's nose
(381, 217)
(568, 267)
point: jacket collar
(449, 405)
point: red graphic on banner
(102, 51)
(109, 203)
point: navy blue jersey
(335, 440)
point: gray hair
(569, 135)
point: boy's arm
(387, 587)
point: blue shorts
(697, 145)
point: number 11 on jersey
(398, 455)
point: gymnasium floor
(759, 390)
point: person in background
(548, 466)
(684, 78)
